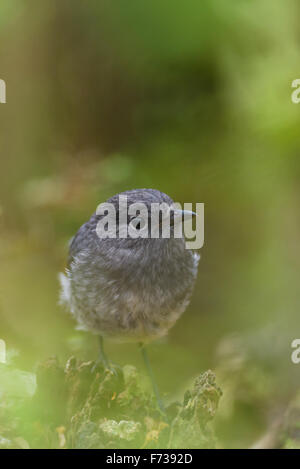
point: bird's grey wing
(84, 239)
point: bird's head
(141, 213)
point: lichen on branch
(83, 406)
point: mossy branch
(77, 406)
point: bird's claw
(106, 367)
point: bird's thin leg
(102, 356)
(151, 376)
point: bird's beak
(182, 216)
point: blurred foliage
(100, 408)
(192, 99)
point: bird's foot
(98, 365)
(162, 409)
(114, 370)
(107, 367)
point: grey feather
(128, 289)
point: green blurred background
(192, 98)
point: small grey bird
(129, 289)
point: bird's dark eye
(138, 223)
